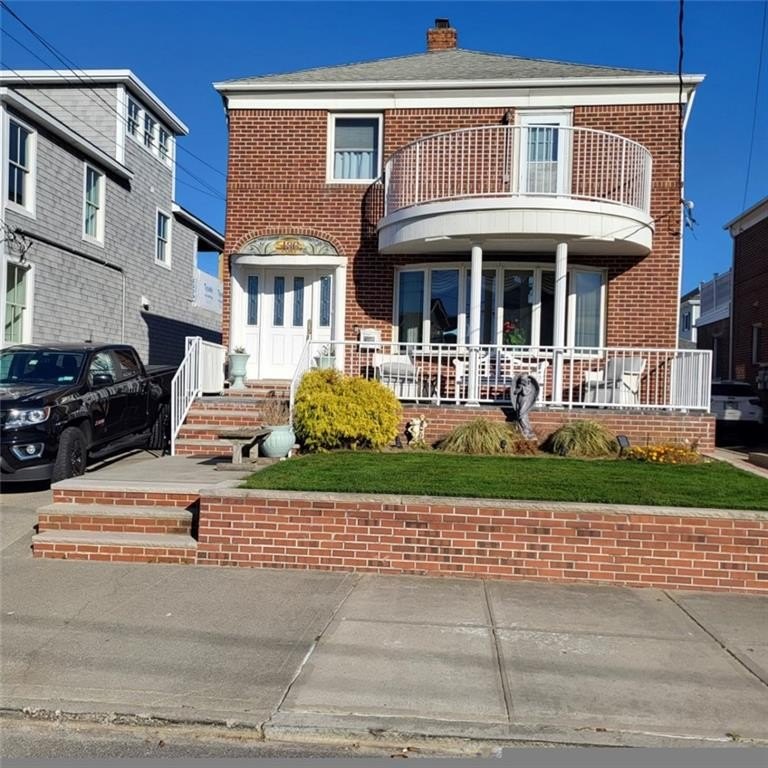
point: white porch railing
(570, 377)
(516, 160)
(304, 364)
(201, 371)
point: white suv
(736, 401)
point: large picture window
(432, 304)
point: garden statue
(415, 431)
(524, 394)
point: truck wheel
(72, 455)
(158, 438)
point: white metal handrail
(570, 377)
(201, 370)
(303, 365)
(516, 160)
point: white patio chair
(398, 373)
(618, 384)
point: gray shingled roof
(449, 65)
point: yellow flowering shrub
(337, 411)
(665, 453)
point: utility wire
(680, 105)
(72, 67)
(754, 108)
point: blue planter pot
(279, 442)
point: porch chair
(398, 373)
(618, 384)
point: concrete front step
(115, 547)
(261, 389)
(112, 518)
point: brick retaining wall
(641, 427)
(542, 541)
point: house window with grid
(16, 304)
(163, 144)
(149, 131)
(93, 205)
(163, 247)
(133, 117)
(356, 148)
(20, 165)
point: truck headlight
(27, 417)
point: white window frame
(29, 291)
(149, 137)
(164, 151)
(499, 267)
(563, 118)
(28, 208)
(166, 263)
(330, 153)
(128, 120)
(98, 238)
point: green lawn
(714, 484)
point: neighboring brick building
(94, 246)
(436, 198)
(749, 308)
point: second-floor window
(20, 165)
(163, 240)
(93, 205)
(149, 131)
(133, 117)
(163, 139)
(355, 147)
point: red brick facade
(277, 185)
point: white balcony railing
(584, 377)
(519, 161)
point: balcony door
(545, 140)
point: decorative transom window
(93, 205)
(355, 148)
(163, 240)
(517, 305)
(21, 149)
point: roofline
(76, 77)
(37, 114)
(208, 233)
(753, 214)
(229, 86)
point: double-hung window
(163, 144)
(163, 240)
(16, 328)
(21, 160)
(149, 131)
(133, 117)
(355, 148)
(93, 205)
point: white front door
(281, 307)
(544, 153)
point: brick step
(261, 389)
(113, 518)
(222, 417)
(214, 431)
(115, 547)
(187, 446)
(214, 402)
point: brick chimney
(442, 37)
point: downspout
(87, 257)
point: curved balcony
(515, 186)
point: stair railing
(304, 364)
(185, 387)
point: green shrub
(482, 436)
(337, 411)
(582, 438)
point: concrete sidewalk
(312, 656)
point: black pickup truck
(61, 404)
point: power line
(72, 67)
(755, 105)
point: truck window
(128, 365)
(102, 363)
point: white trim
(169, 239)
(749, 218)
(121, 107)
(563, 118)
(625, 81)
(330, 146)
(29, 207)
(32, 112)
(480, 96)
(29, 290)
(279, 260)
(210, 235)
(98, 238)
(75, 78)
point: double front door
(282, 306)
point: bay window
(432, 304)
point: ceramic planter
(279, 442)
(238, 364)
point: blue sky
(180, 48)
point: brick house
(749, 307)
(94, 245)
(453, 219)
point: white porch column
(339, 313)
(561, 294)
(475, 294)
